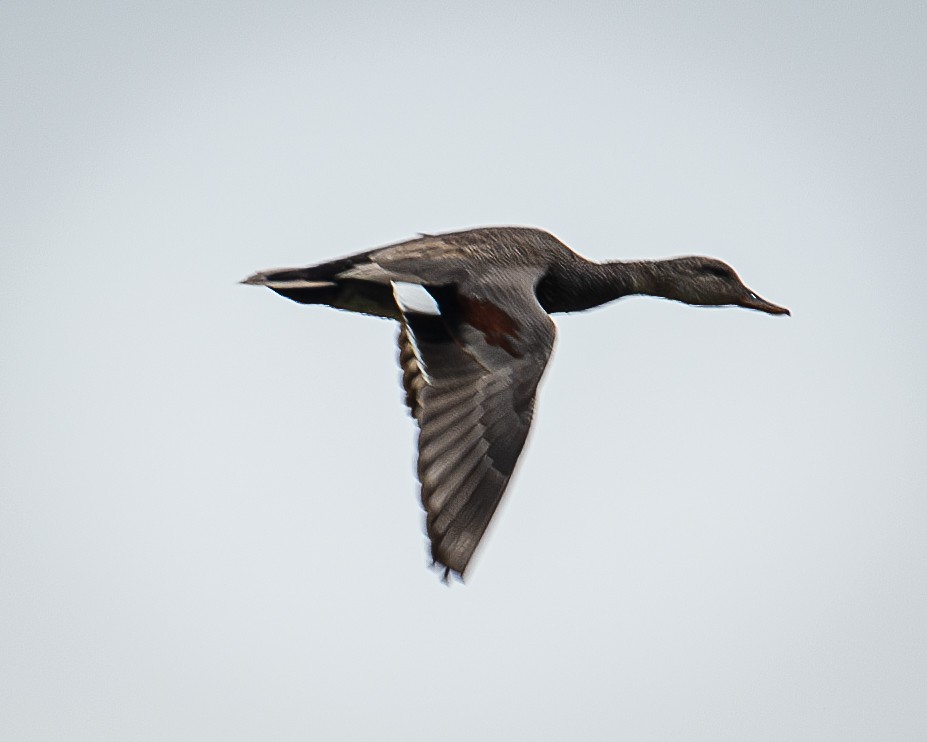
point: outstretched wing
(470, 374)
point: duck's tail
(323, 284)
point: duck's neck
(600, 283)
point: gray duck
(471, 366)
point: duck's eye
(719, 271)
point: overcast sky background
(209, 524)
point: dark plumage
(470, 371)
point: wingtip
(450, 574)
(447, 573)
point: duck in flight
(472, 363)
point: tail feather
(323, 272)
(284, 279)
(323, 284)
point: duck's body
(470, 370)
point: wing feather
(470, 383)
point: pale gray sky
(209, 527)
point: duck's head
(709, 282)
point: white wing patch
(413, 297)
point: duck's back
(486, 248)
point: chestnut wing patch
(498, 328)
(497, 325)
